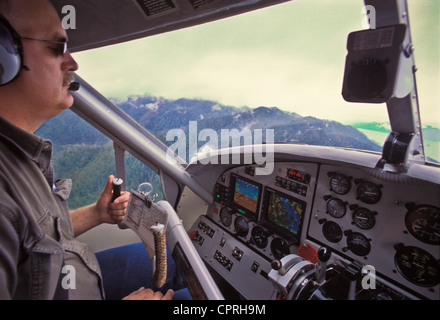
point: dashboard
(264, 234)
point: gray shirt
(39, 255)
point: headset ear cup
(10, 52)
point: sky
(289, 56)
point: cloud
(290, 56)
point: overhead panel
(101, 23)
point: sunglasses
(11, 51)
(60, 46)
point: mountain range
(85, 155)
(159, 115)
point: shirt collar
(31, 144)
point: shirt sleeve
(9, 253)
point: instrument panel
(266, 212)
(255, 220)
(381, 220)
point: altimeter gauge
(226, 216)
(357, 243)
(340, 183)
(336, 207)
(332, 231)
(364, 218)
(417, 265)
(369, 192)
(423, 222)
(259, 237)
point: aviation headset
(11, 52)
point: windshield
(280, 68)
(289, 57)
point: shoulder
(10, 213)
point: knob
(117, 184)
(324, 254)
(276, 264)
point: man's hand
(148, 294)
(103, 211)
(111, 212)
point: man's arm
(9, 254)
(103, 211)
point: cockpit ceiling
(104, 22)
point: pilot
(40, 257)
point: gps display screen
(284, 211)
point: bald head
(5, 6)
(23, 15)
(40, 92)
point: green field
(432, 147)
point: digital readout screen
(284, 212)
(246, 195)
(299, 176)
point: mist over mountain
(159, 115)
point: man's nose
(70, 62)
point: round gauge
(336, 207)
(226, 216)
(279, 248)
(369, 192)
(423, 222)
(332, 231)
(259, 237)
(340, 184)
(364, 218)
(241, 226)
(417, 266)
(358, 244)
